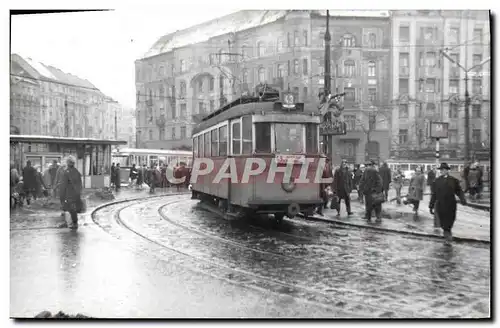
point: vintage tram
(259, 127)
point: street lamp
(467, 98)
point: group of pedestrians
(473, 177)
(373, 184)
(157, 176)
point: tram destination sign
(438, 130)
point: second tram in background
(259, 127)
(129, 156)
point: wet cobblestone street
(354, 272)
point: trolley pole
(327, 80)
(116, 126)
(66, 118)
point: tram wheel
(278, 217)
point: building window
(183, 132)
(476, 136)
(200, 86)
(478, 36)
(212, 105)
(477, 87)
(262, 75)
(304, 66)
(348, 40)
(349, 68)
(244, 52)
(454, 85)
(350, 121)
(404, 33)
(322, 38)
(403, 86)
(183, 89)
(372, 40)
(454, 35)
(430, 85)
(430, 59)
(280, 45)
(476, 59)
(371, 69)
(150, 134)
(162, 134)
(403, 111)
(236, 138)
(349, 94)
(281, 70)
(304, 92)
(372, 94)
(453, 136)
(173, 133)
(296, 39)
(296, 66)
(456, 58)
(305, 38)
(201, 107)
(430, 108)
(372, 122)
(429, 33)
(403, 136)
(453, 110)
(476, 111)
(183, 65)
(288, 39)
(260, 49)
(245, 76)
(173, 111)
(183, 110)
(404, 59)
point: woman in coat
(71, 191)
(416, 189)
(397, 181)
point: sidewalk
(470, 225)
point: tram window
(246, 134)
(206, 143)
(223, 140)
(288, 138)
(311, 138)
(195, 147)
(215, 142)
(200, 145)
(236, 137)
(262, 137)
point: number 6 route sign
(438, 130)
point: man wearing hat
(371, 183)
(443, 200)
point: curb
(411, 233)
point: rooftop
(237, 22)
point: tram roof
(65, 140)
(246, 106)
(153, 151)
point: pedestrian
(397, 181)
(133, 176)
(465, 176)
(325, 189)
(71, 191)
(141, 176)
(431, 177)
(474, 181)
(40, 186)
(371, 186)
(342, 186)
(117, 179)
(112, 175)
(30, 181)
(385, 174)
(443, 200)
(416, 189)
(480, 179)
(58, 178)
(14, 180)
(357, 178)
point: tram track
(307, 293)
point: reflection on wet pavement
(360, 271)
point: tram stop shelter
(93, 156)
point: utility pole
(66, 118)
(327, 82)
(116, 126)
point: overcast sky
(102, 46)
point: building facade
(429, 87)
(191, 72)
(48, 101)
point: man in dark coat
(443, 200)
(370, 183)
(112, 174)
(71, 191)
(431, 177)
(385, 174)
(30, 181)
(116, 173)
(342, 186)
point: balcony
(429, 71)
(404, 71)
